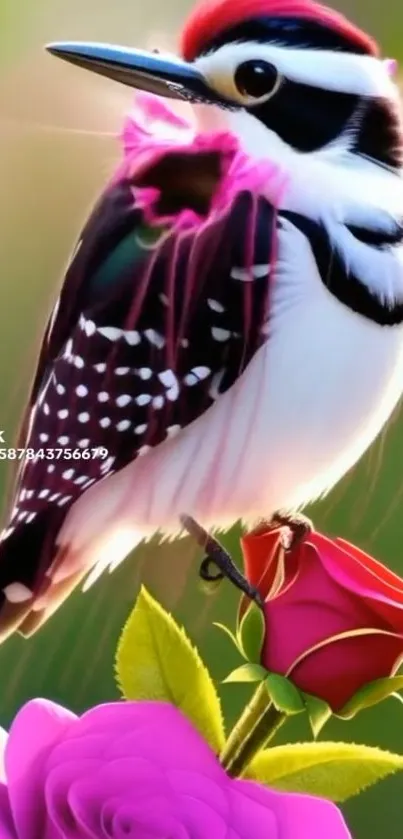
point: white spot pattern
(191, 379)
(132, 337)
(123, 400)
(201, 372)
(220, 334)
(215, 306)
(169, 380)
(173, 430)
(155, 338)
(143, 450)
(123, 425)
(17, 593)
(143, 399)
(64, 500)
(107, 464)
(256, 272)
(89, 327)
(112, 333)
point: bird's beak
(163, 75)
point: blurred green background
(56, 150)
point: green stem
(257, 724)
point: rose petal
(91, 747)
(7, 830)
(335, 671)
(34, 730)
(80, 789)
(126, 824)
(359, 573)
(162, 731)
(311, 610)
(198, 785)
(259, 550)
(58, 785)
(252, 815)
(382, 571)
(298, 816)
(3, 741)
(202, 820)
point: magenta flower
(137, 771)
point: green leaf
(156, 661)
(284, 695)
(370, 694)
(247, 673)
(250, 634)
(336, 771)
(229, 634)
(318, 712)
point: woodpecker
(236, 372)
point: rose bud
(333, 615)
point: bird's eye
(256, 79)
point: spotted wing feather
(151, 326)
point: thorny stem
(218, 556)
(258, 723)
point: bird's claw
(296, 527)
(220, 559)
(210, 576)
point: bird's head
(289, 71)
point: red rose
(333, 614)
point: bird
(232, 369)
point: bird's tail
(37, 574)
(26, 557)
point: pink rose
(334, 619)
(138, 771)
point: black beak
(152, 72)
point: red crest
(212, 17)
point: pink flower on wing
(133, 770)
